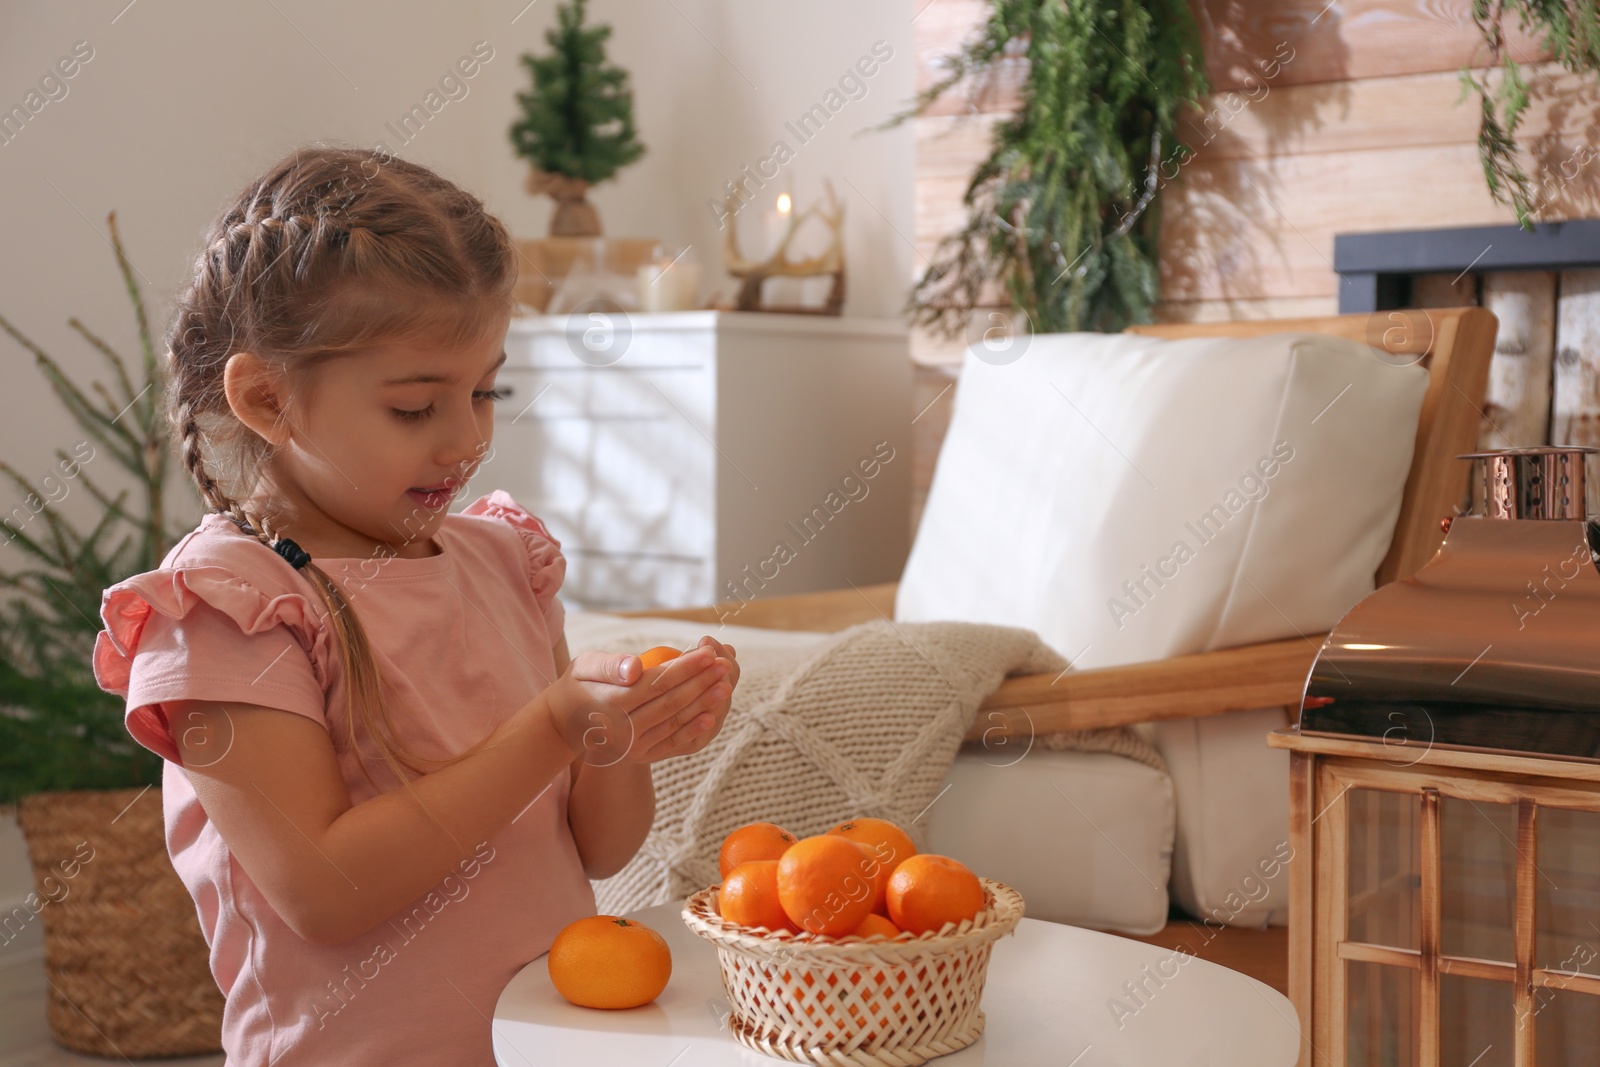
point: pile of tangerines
(863, 878)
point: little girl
(386, 785)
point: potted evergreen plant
(127, 966)
(576, 123)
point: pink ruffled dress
(466, 637)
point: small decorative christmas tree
(576, 127)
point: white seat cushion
(1230, 863)
(1132, 499)
(1085, 837)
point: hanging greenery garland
(1064, 212)
(1572, 35)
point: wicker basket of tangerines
(850, 947)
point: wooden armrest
(1184, 687)
(826, 612)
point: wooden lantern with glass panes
(1445, 796)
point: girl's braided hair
(333, 250)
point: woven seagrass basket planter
(128, 969)
(850, 1002)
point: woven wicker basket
(852, 1002)
(128, 969)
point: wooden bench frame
(1455, 344)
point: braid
(194, 462)
(218, 501)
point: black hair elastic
(297, 556)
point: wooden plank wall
(1326, 118)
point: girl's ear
(257, 393)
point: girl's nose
(466, 443)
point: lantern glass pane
(1475, 1022)
(1384, 869)
(1478, 879)
(1380, 1015)
(1567, 890)
(1566, 1027)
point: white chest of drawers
(695, 457)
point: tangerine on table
(825, 884)
(927, 891)
(749, 897)
(655, 657)
(754, 841)
(889, 846)
(605, 961)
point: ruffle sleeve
(547, 566)
(202, 632)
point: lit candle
(776, 224)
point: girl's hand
(708, 723)
(609, 709)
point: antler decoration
(778, 265)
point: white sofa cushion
(1132, 498)
(1230, 863)
(1085, 837)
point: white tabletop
(1049, 998)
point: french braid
(332, 250)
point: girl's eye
(479, 395)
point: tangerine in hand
(655, 657)
(605, 961)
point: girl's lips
(432, 499)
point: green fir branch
(119, 366)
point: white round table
(1051, 997)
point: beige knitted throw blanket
(862, 722)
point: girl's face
(380, 442)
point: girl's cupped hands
(610, 709)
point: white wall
(183, 102)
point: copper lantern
(1445, 796)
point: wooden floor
(1262, 954)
